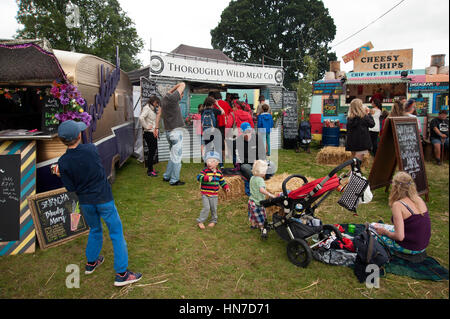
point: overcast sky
(422, 25)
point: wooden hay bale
(237, 188)
(332, 155)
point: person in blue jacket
(265, 121)
(82, 172)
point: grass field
(178, 260)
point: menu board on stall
(51, 106)
(422, 106)
(330, 107)
(148, 88)
(57, 216)
(327, 88)
(290, 120)
(400, 145)
(9, 197)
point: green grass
(230, 261)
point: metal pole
(150, 64)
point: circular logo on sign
(156, 64)
(279, 76)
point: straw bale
(237, 188)
(332, 155)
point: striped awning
(376, 81)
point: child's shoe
(128, 278)
(90, 268)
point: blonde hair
(259, 168)
(356, 109)
(403, 186)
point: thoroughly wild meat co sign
(214, 71)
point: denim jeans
(107, 211)
(175, 140)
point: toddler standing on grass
(258, 192)
(211, 179)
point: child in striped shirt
(211, 180)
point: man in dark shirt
(82, 172)
(439, 134)
(249, 148)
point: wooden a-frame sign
(400, 144)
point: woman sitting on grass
(411, 231)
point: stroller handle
(289, 178)
(271, 201)
(354, 162)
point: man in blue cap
(82, 172)
(249, 148)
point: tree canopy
(277, 29)
(102, 26)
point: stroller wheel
(327, 229)
(299, 252)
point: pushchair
(296, 208)
(304, 137)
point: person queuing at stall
(262, 100)
(439, 134)
(173, 123)
(411, 231)
(148, 121)
(265, 125)
(197, 120)
(211, 134)
(375, 111)
(358, 123)
(410, 110)
(222, 119)
(81, 171)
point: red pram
(295, 222)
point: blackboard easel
(400, 144)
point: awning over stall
(28, 60)
(376, 81)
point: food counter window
(388, 92)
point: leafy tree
(304, 86)
(287, 29)
(102, 26)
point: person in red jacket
(222, 119)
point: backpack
(368, 251)
(208, 119)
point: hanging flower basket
(72, 102)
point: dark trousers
(374, 139)
(152, 145)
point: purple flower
(64, 101)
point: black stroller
(295, 221)
(304, 137)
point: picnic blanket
(426, 269)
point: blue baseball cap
(245, 126)
(70, 129)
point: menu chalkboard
(330, 107)
(409, 151)
(290, 120)
(148, 88)
(51, 106)
(326, 88)
(10, 197)
(57, 216)
(400, 145)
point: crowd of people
(81, 171)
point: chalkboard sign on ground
(290, 120)
(400, 145)
(9, 197)
(57, 216)
(51, 106)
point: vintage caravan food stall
(388, 72)
(33, 78)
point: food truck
(389, 73)
(29, 71)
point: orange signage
(355, 53)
